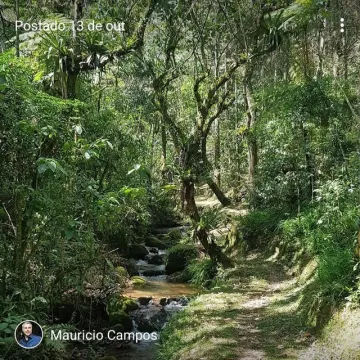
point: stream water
(158, 299)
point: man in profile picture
(28, 339)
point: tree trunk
(100, 93)
(217, 153)
(217, 191)
(251, 139)
(252, 159)
(189, 196)
(335, 63)
(163, 151)
(346, 56)
(72, 72)
(71, 84)
(308, 160)
(207, 171)
(211, 248)
(321, 50)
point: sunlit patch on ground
(255, 316)
(340, 340)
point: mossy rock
(138, 251)
(156, 259)
(179, 277)
(138, 281)
(179, 257)
(129, 305)
(130, 265)
(175, 235)
(171, 238)
(116, 303)
(122, 318)
(153, 241)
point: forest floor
(254, 314)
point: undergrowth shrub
(179, 256)
(258, 227)
(327, 232)
(162, 206)
(202, 272)
(171, 336)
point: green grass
(340, 339)
(253, 313)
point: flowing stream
(158, 299)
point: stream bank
(157, 299)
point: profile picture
(28, 334)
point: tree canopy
(108, 132)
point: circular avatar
(28, 334)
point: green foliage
(174, 235)
(210, 219)
(308, 123)
(162, 205)
(153, 241)
(138, 281)
(121, 275)
(129, 305)
(118, 303)
(122, 216)
(258, 227)
(57, 345)
(122, 318)
(202, 272)
(66, 194)
(8, 326)
(327, 231)
(93, 149)
(170, 341)
(179, 256)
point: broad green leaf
(38, 76)
(69, 234)
(52, 165)
(7, 340)
(60, 168)
(135, 168)
(42, 168)
(39, 299)
(13, 326)
(110, 264)
(78, 129)
(112, 199)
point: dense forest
(164, 154)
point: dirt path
(253, 316)
(213, 203)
